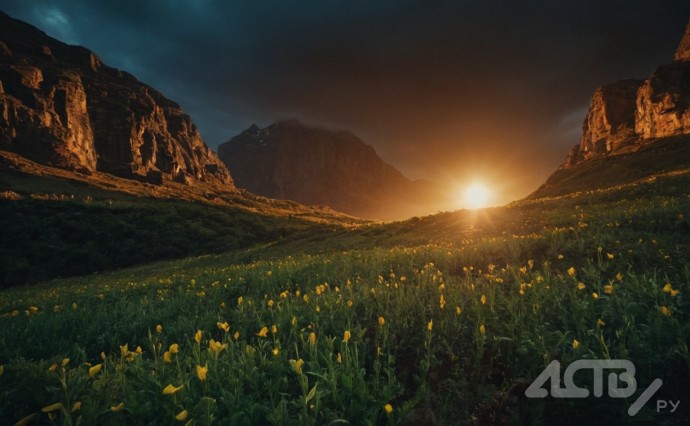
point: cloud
(53, 21)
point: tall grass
(426, 321)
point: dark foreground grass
(444, 319)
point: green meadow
(444, 319)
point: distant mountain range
(64, 113)
(634, 128)
(289, 160)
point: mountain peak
(683, 52)
(318, 166)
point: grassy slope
(513, 272)
(656, 157)
(59, 225)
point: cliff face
(316, 166)
(626, 115)
(61, 106)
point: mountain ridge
(636, 127)
(313, 165)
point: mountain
(289, 160)
(61, 106)
(642, 122)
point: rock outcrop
(61, 106)
(625, 116)
(289, 160)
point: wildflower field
(438, 320)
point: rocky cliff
(61, 106)
(625, 116)
(289, 160)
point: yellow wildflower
(174, 348)
(76, 406)
(263, 332)
(167, 357)
(201, 371)
(608, 288)
(240, 300)
(346, 336)
(430, 325)
(595, 295)
(340, 358)
(52, 407)
(669, 289)
(581, 285)
(571, 271)
(197, 336)
(482, 329)
(576, 344)
(270, 303)
(52, 367)
(388, 408)
(216, 347)
(118, 407)
(600, 322)
(382, 321)
(483, 299)
(64, 362)
(458, 310)
(609, 256)
(312, 338)
(560, 257)
(619, 276)
(297, 365)
(138, 350)
(170, 389)
(274, 329)
(95, 369)
(182, 416)
(223, 326)
(159, 328)
(442, 302)
(124, 350)
(236, 335)
(665, 311)
(275, 351)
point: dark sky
(444, 90)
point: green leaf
(311, 394)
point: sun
(477, 196)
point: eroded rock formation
(626, 115)
(60, 105)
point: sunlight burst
(477, 196)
